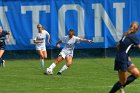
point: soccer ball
(49, 71)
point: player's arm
(136, 41)
(129, 58)
(8, 37)
(48, 38)
(117, 46)
(85, 40)
(138, 46)
(37, 41)
(57, 43)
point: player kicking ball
(67, 52)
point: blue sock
(130, 79)
(1, 60)
(116, 87)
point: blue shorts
(2, 47)
(121, 62)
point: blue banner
(103, 21)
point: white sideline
(133, 85)
(61, 88)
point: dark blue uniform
(121, 61)
(2, 39)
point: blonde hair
(134, 31)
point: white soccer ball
(49, 71)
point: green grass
(84, 76)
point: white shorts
(43, 48)
(65, 54)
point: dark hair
(72, 31)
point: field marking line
(61, 88)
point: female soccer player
(67, 52)
(3, 34)
(123, 63)
(40, 41)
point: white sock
(63, 68)
(52, 66)
(42, 63)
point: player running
(3, 34)
(67, 52)
(123, 64)
(40, 41)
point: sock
(116, 87)
(63, 68)
(52, 66)
(130, 79)
(1, 61)
(42, 63)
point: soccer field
(84, 76)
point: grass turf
(84, 76)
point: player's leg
(45, 54)
(1, 60)
(122, 80)
(59, 59)
(121, 67)
(134, 74)
(123, 77)
(41, 55)
(61, 56)
(66, 66)
(53, 65)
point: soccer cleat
(122, 90)
(45, 73)
(59, 73)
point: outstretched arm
(48, 38)
(8, 38)
(85, 40)
(57, 44)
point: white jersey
(69, 45)
(42, 37)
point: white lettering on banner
(5, 23)
(61, 19)
(119, 18)
(35, 15)
(100, 14)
